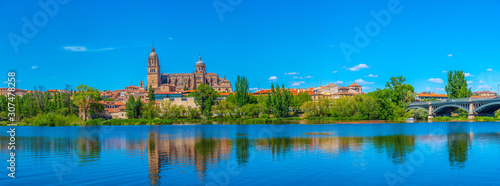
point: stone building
(183, 81)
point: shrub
(442, 118)
(484, 118)
(264, 116)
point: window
(184, 99)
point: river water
(465, 153)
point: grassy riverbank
(57, 120)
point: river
(464, 153)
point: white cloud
(483, 86)
(480, 81)
(470, 82)
(273, 78)
(444, 71)
(75, 48)
(434, 89)
(449, 55)
(253, 89)
(84, 49)
(339, 82)
(296, 83)
(371, 75)
(34, 67)
(489, 70)
(468, 75)
(291, 73)
(296, 77)
(436, 80)
(360, 81)
(358, 67)
(170, 38)
(334, 72)
(308, 77)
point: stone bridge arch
(448, 108)
(488, 108)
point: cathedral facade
(183, 81)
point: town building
(485, 93)
(334, 91)
(428, 96)
(18, 92)
(183, 81)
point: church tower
(154, 74)
(200, 66)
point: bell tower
(154, 73)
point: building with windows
(183, 81)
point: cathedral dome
(200, 62)
(153, 54)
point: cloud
(273, 78)
(170, 38)
(434, 89)
(480, 81)
(334, 72)
(470, 82)
(483, 86)
(444, 71)
(436, 80)
(489, 70)
(450, 55)
(296, 77)
(75, 48)
(468, 75)
(7, 82)
(358, 67)
(371, 75)
(84, 49)
(308, 77)
(296, 83)
(360, 81)
(254, 89)
(339, 82)
(291, 73)
(34, 67)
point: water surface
(465, 153)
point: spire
(153, 47)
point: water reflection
(197, 151)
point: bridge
(473, 106)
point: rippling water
(347, 154)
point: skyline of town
(307, 49)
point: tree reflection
(397, 147)
(458, 145)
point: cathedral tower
(154, 74)
(200, 66)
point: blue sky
(297, 43)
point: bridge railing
(453, 100)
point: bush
(264, 116)
(442, 118)
(94, 121)
(53, 120)
(484, 118)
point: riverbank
(236, 121)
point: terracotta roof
(432, 95)
(354, 85)
(167, 93)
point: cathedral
(184, 81)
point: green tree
(86, 98)
(138, 108)
(401, 93)
(151, 111)
(457, 85)
(204, 97)
(130, 107)
(300, 99)
(241, 91)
